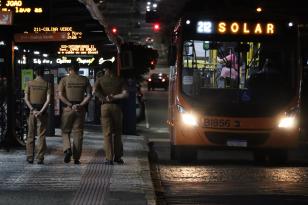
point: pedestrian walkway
(91, 182)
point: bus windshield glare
(259, 72)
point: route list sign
(77, 50)
(21, 6)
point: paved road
(219, 177)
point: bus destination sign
(235, 27)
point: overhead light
(148, 3)
(45, 55)
(155, 5)
(187, 21)
(259, 9)
(36, 52)
(290, 24)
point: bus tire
(259, 157)
(278, 156)
(172, 152)
(183, 154)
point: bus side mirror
(171, 55)
(242, 48)
(213, 46)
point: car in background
(158, 80)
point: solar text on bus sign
(235, 27)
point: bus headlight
(287, 122)
(189, 119)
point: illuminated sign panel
(204, 27)
(246, 28)
(6, 18)
(65, 60)
(77, 50)
(39, 37)
(71, 34)
(18, 6)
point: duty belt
(114, 103)
(75, 102)
(37, 106)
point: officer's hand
(75, 107)
(110, 98)
(36, 113)
(102, 99)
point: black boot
(68, 154)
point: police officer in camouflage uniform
(37, 98)
(75, 93)
(111, 90)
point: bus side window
(191, 81)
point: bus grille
(252, 139)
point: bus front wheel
(259, 157)
(278, 156)
(182, 154)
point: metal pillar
(6, 33)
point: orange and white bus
(234, 83)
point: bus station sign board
(75, 49)
(71, 33)
(40, 37)
(21, 7)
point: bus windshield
(261, 72)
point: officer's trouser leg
(107, 130)
(30, 137)
(66, 126)
(41, 132)
(77, 134)
(117, 130)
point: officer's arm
(89, 95)
(61, 93)
(96, 84)
(27, 100)
(64, 100)
(46, 102)
(122, 95)
(97, 91)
